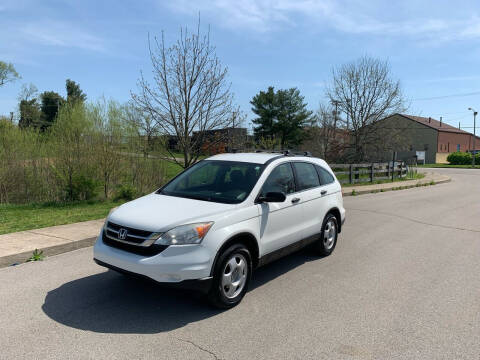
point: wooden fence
(369, 172)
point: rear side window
(280, 180)
(307, 176)
(325, 176)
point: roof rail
(286, 152)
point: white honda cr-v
(213, 224)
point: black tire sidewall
(216, 296)
(321, 246)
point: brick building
(429, 138)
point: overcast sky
(432, 46)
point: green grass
(33, 216)
(25, 217)
(409, 177)
(448, 166)
(172, 170)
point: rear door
(280, 223)
(313, 205)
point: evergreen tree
(265, 107)
(282, 114)
(51, 103)
(30, 113)
(74, 93)
(292, 116)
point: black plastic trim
(269, 161)
(200, 285)
(287, 250)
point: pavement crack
(416, 220)
(200, 348)
(49, 235)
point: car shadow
(109, 302)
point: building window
(458, 147)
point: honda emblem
(122, 234)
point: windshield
(227, 182)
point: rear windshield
(227, 182)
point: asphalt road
(403, 283)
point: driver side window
(280, 180)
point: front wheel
(231, 277)
(328, 236)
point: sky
(432, 46)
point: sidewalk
(18, 247)
(367, 189)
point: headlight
(185, 234)
(106, 219)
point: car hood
(159, 213)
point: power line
(447, 96)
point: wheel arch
(336, 212)
(245, 238)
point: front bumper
(175, 264)
(200, 285)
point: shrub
(460, 158)
(82, 188)
(125, 192)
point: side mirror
(272, 197)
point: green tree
(281, 114)
(30, 114)
(74, 93)
(265, 107)
(29, 107)
(51, 103)
(7, 73)
(71, 137)
(292, 116)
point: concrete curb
(395, 186)
(47, 251)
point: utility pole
(335, 103)
(474, 135)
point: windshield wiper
(188, 196)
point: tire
(227, 291)
(328, 236)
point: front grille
(132, 242)
(133, 235)
(151, 250)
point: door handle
(295, 200)
(323, 192)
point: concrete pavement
(430, 176)
(402, 283)
(18, 247)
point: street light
(474, 135)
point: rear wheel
(328, 236)
(231, 277)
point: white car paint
(273, 225)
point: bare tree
(326, 130)
(27, 92)
(147, 129)
(365, 91)
(189, 96)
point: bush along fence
(369, 172)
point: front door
(280, 223)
